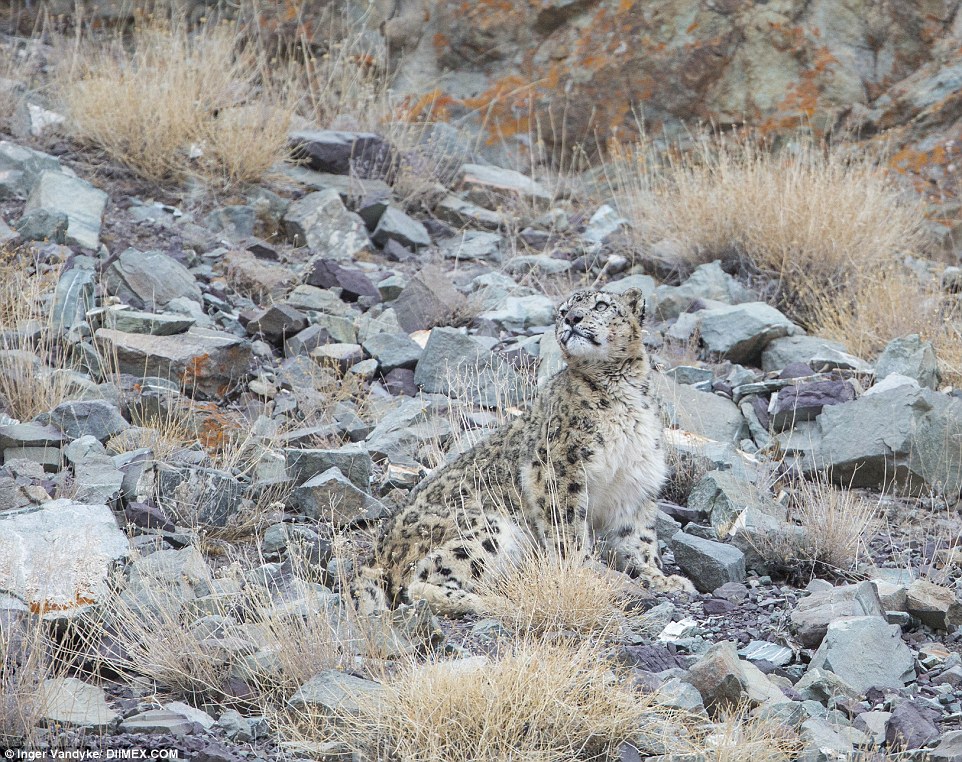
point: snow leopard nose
(573, 317)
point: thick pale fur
(579, 470)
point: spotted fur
(580, 470)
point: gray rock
(157, 721)
(823, 686)
(32, 435)
(949, 748)
(395, 225)
(339, 152)
(210, 363)
(327, 274)
(818, 353)
(909, 356)
(708, 564)
(935, 605)
(199, 496)
(909, 728)
(474, 245)
(679, 695)
(150, 279)
(35, 540)
(723, 496)
(240, 729)
(805, 401)
(462, 213)
(739, 332)
(72, 702)
(724, 681)
(487, 184)
(97, 418)
(277, 322)
(904, 437)
(427, 300)
(7, 234)
(392, 350)
(644, 283)
(605, 222)
(823, 741)
(708, 281)
(341, 354)
(331, 496)
(152, 323)
(43, 225)
(333, 694)
(305, 341)
(873, 725)
(98, 480)
(812, 615)
(454, 363)
(866, 652)
(537, 264)
(699, 412)
(21, 167)
(518, 313)
(81, 202)
(321, 222)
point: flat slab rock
(57, 557)
(208, 362)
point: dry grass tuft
(737, 737)
(828, 229)
(32, 380)
(175, 104)
(833, 528)
(541, 702)
(546, 593)
(808, 216)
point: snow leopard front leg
(633, 549)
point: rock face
(41, 560)
(692, 63)
(905, 436)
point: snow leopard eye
(601, 306)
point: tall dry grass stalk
(25, 662)
(33, 379)
(172, 103)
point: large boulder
(210, 363)
(58, 557)
(905, 437)
(866, 652)
(698, 412)
(737, 333)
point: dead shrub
(831, 531)
(172, 103)
(547, 593)
(540, 701)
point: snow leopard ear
(635, 300)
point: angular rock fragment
(82, 203)
(150, 279)
(210, 363)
